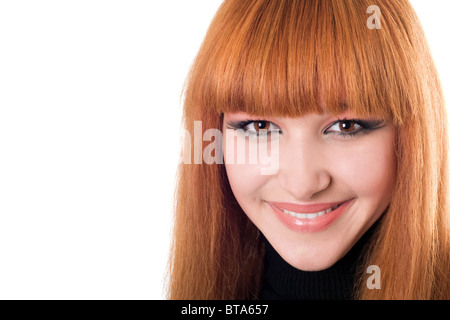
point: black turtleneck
(284, 282)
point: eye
(256, 127)
(345, 127)
(259, 125)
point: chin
(313, 265)
(310, 259)
(316, 264)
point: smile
(310, 215)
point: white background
(90, 104)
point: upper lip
(305, 208)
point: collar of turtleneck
(284, 282)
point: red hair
(290, 58)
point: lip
(307, 208)
(309, 225)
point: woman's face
(334, 180)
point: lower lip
(311, 225)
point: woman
(357, 120)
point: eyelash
(242, 124)
(365, 127)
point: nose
(303, 169)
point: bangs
(291, 58)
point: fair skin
(324, 160)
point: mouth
(311, 215)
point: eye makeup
(252, 127)
(353, 127)
(342, 127)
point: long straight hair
(291, 58)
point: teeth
(309, 215)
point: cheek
(370, 169)
(245, 179)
